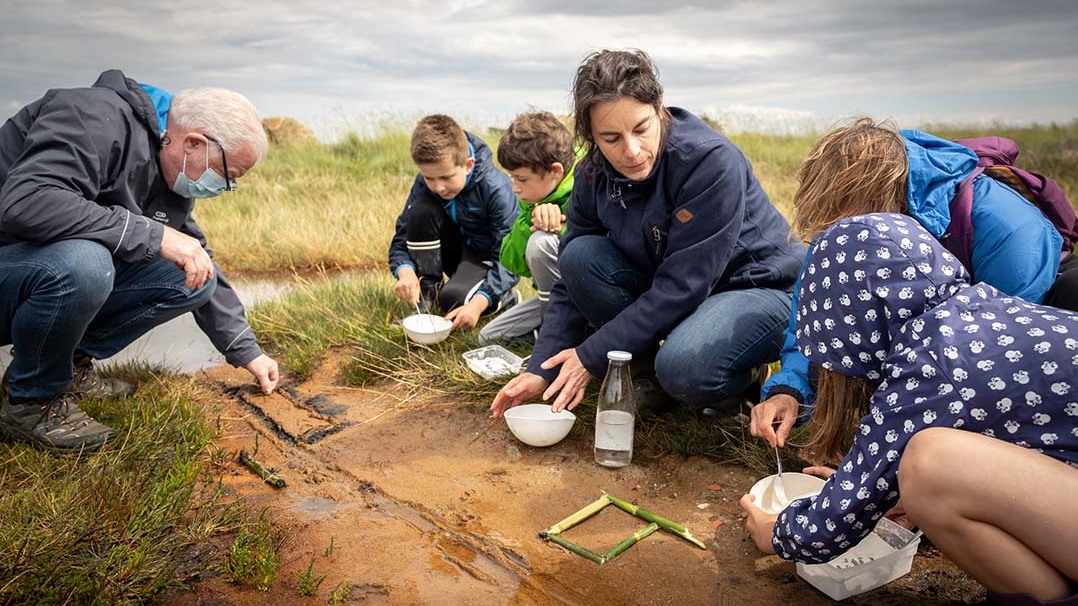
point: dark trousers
(1064, 292)
(436, 246)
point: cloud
(317, 61)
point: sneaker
(650, 397)
(89, 384)
(510, 299)
(56, 425)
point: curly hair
(536, 141)
(609, 75)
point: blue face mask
(208, 185)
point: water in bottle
(615, 415)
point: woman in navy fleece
(670, 239)
(955, 397)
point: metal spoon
(778, 491)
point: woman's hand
(781, 409)
(759, 523)
(407, 286)
(522, 388)
(467, 316)
(571, 382)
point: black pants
(436, 246)
(1064, 292)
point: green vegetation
(109, 528)
(333, 206)
(309, 580)
(253, 556)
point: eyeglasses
(230, 183)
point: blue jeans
(710, 354)
(70, 300)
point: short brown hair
(436, 137)
(854, 170)
(536, 140)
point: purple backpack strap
(958, 238)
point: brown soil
(427, 501)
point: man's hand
(781, 409)
(187, 253)
(467, 316)
(547, 217)
(264, 369)
(523, 388)
(571, 381)
(407, 287)
(759, 523)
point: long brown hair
(841, 403)
(853, 170)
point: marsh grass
(110, 528)
(333, 205)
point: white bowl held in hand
(536, 425)
(427, 329)
(796, 485)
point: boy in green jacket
(537, 150)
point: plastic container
(794, 484)
(537, 425)
(427, 329)
(493, 362)
(883, 556)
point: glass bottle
(616, 413)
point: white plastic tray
(493, 362)
(883, 556)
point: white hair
(223, 114)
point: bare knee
(927, 471)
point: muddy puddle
(413, 499)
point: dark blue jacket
(82, 163)
(699, 224)
(485, 211)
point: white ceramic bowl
(427, 329)
(536, 425)
(794, 484)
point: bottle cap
(619, 356)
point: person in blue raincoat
(956, 398)
(868, 167)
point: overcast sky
(336, 65)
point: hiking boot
(89, 384)
(650, 397)
(55, 424)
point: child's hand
(759, 523)
(467, 316)
(407, 287)
(547, 217)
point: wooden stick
(577, 549)
(629, 541)
(665, 524)
(267, 476)
(585, 512)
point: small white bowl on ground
(427, 329)
(536, 425)
(796, 485)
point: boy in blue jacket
(459, 209)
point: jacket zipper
(658, 236)
(617, 195)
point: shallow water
(179, 344)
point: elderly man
(98, 245)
